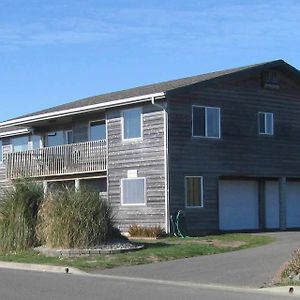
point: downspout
(166, 166)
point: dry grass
(74, 219)
(18, 215)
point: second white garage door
(293, 204)
(238, 205)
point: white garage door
(272, 204)
(293, 204)
(238, 204)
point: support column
(77, 185)
(262, 204)
(282, 203)
(45, 187)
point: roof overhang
(79, 110)
(14, 132)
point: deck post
(45, 187)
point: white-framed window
(1, 151)
(206, 121)
(194, 191)
(266, 123)
(132, 123)
(97, 130)
(19, 143)
(133, 191)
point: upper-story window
(1, 151)
(270, 79)
(69, 136)
(97, 130)
(132, 123)
(36, 141)
(265, 123)
(19, 143)
(206, 122)
(57, 138)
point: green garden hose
(178, 224)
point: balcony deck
(86, 157)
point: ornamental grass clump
(148, 232)
(19, 207)
(74, 219)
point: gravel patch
(112, 247)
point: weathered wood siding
(4, 183)
(241, 151)
(145, 156)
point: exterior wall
(145, 156)
(241, 151)
(4, 183)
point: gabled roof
(161, 87)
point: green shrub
(19, 206)
(74, 219)
(141, 231)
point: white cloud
(252, 23)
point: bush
(150, 232)
(293, 267)
(74, 219)
(18, 215)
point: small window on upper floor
(97, 130)
(270, 79)
(266, 123)
(132, 124)
(19, 143)
(57, 138)
(206, 122)
(1, 151)
(36, 141)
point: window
(266, 123)
(194, 191)
(19, 143)
(1, 151)
(57, 138)
(270, 79)
(97, 130)
(206, 122)
(133, 191)
(69, 136)
(132, 123)
(36, 141)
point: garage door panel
(272, 204)
(293, 205)
(238, 205)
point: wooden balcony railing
(84, 157)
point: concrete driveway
(253, 267)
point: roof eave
(79, 110)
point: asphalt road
(253, 267)
(28, 285)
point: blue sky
(53, 52)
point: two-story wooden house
(223, 147)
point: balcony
(87, 157)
